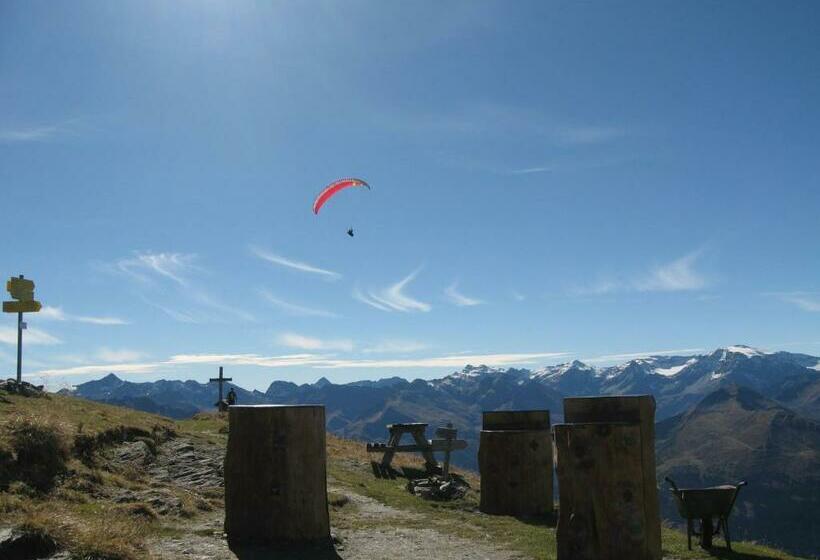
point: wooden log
(602, 501)
(639, 409)
(275, 475)
(516, 464)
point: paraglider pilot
(350, 232)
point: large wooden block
(602, 500)
(515, 460)
(275, 475)
(639, 409)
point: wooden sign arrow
(31, 306)
(21, 288)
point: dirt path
(203, 540)
(371, 530)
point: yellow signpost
(21, 306)
(22, 291)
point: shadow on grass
(322, 551)
(383, 472)
(725, 553)
(548, 520)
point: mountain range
(734, 413)
(677, 382)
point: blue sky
(550, 181)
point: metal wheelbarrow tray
(706, 504)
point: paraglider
(332, 189)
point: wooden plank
(639, 409)
(602, 502)
(435, 445)
(516, 420)
(275, 474)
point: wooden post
(515, 460)
(634, 409)
(275, 475)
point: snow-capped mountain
(677, 382)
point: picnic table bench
(446, 441)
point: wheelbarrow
(706, 504)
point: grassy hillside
(100, 503)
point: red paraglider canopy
(333, 188)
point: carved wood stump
(515, 460)
(275, 475)
(606, 475)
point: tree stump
(515, 460)
(275, 475)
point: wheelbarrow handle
(672, 483)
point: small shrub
(337, 500)
(6, 466)
(20, 488)
(40, 450)
(10, 503)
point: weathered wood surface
(602, 501)
(516, 464)
(639, 409)
(275, 474)
(433, 445)
(516, 420)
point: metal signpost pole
(20, 347)
(22, 294)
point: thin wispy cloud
(179, 316)
(295, 309)
(451, 361)
(358, 295)
(206, 300)
(302, 342)
(598, 288)
(121, 355)
(97, 369)
(310, 360)
(149, 266)
(589, 134)
(39, 132)
(396, 347)
(8, 335)
(531, 170)
(294, 265)
(678, 275)
(57, 314)
(518, 296)
(807, 301)
(636, 355)
(161, 276)
(455, 297)
(393, 298)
